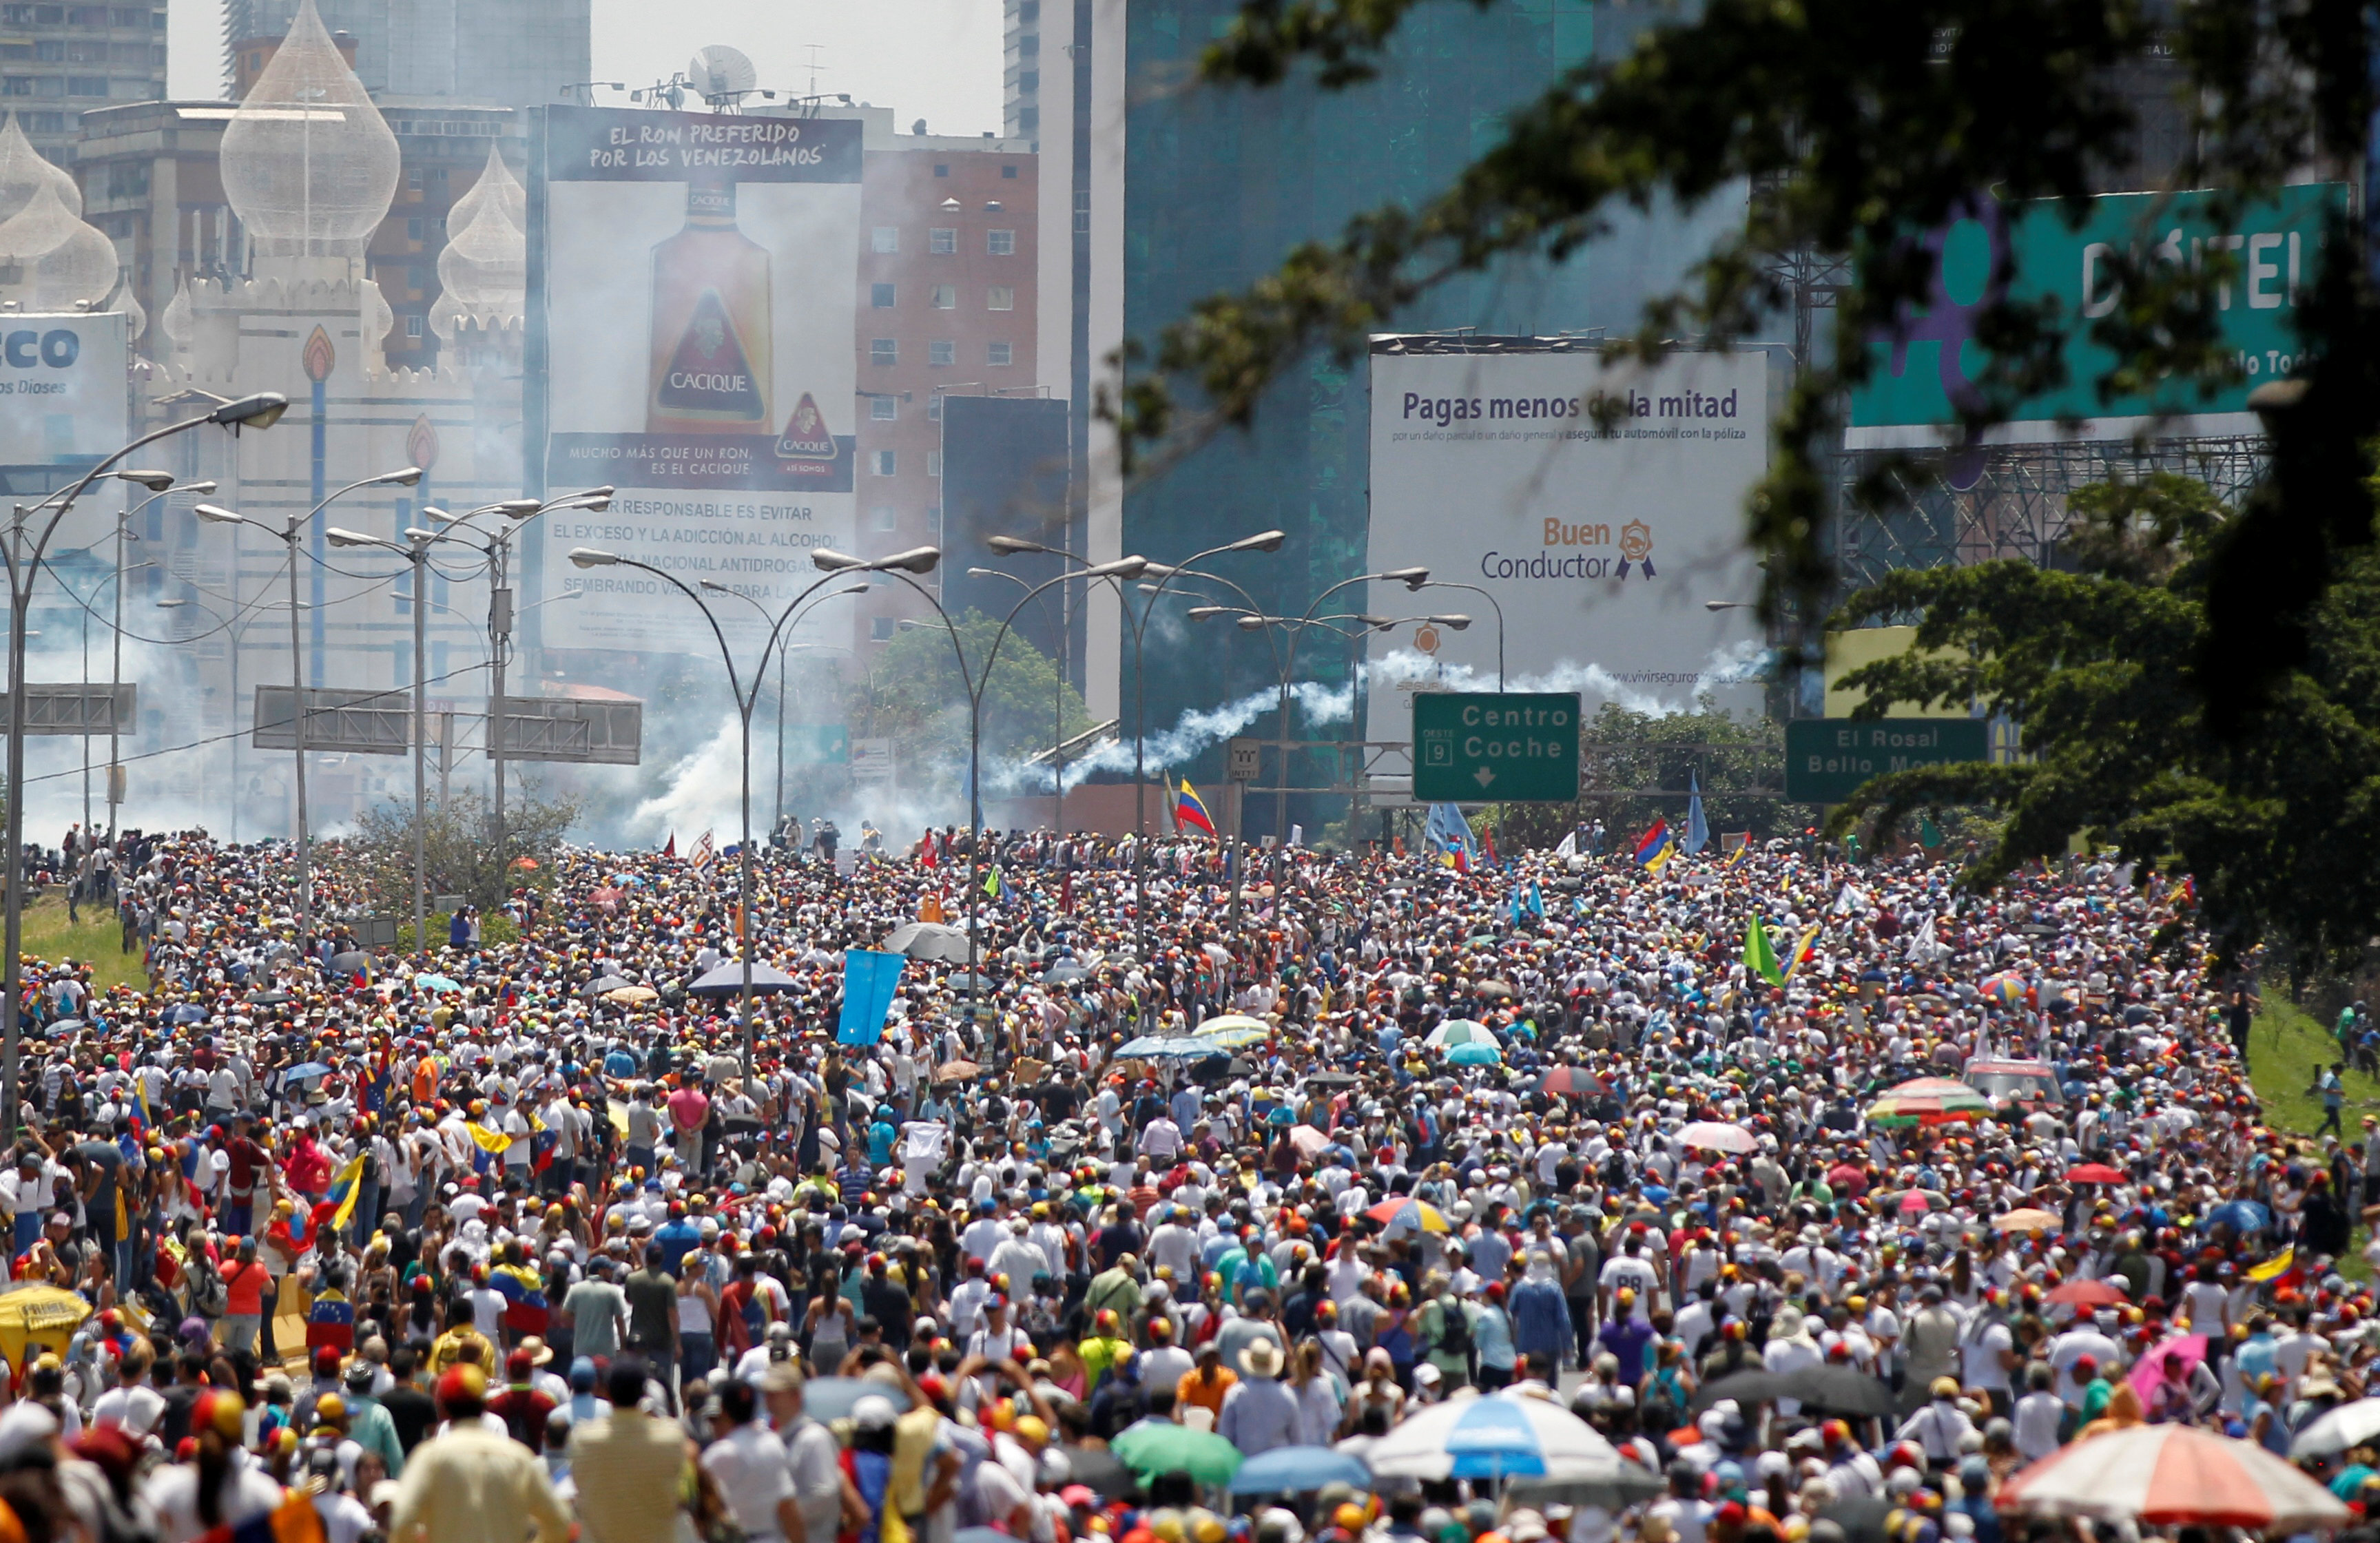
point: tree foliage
(1626, 758)
(1857, 125)
(2278, 826)
(460, 853)
(914, 694)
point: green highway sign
(1499, 746)
(1827, 758)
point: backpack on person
(1453, 1329)
(209, 1296)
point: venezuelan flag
(331, 1323)
(346, 1188)
(1189, 809)
(2274, 1267)
(525, 1308)
(1656, 847)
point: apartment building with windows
(58, 60)
(947, 267)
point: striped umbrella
(1459, 1032)
(2172, 1476)
(1404, 1210)
(1929, 1101)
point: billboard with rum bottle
(692, 296)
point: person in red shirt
(521, 1406)
(308, 1169)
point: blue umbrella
(1299, 1470)
(310, 1069)
(2242, 1216)
(434, 983)
(186, 1013)
(1475, 1055)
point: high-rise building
(1182, 191)
(496, 53)
(59, 61)
(947, 270)
(1021, 69)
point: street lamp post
(1057, 707)
(83, 603)
(1263, 541)
(784, 645)
(262, 410)
(977, 682)
(916, 560)
(288, 535)
(1451, 584)
(415, 550)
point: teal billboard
(1929, 366)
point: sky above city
(939, 60)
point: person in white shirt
(132, 1403)
(751, 1468)
(2038, 1415)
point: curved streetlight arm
(1492, 604)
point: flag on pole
(703, 851)
(1697, 829)
(346, 1188)
(1654, 848)
(669, 848)
(1567, 846)
(991, 882)
(931, 908)
(1488, 845)
(1449, 833)
(1929, 835)
(1758, 957)
(1803, 952)
(1537, 899)
(1190, 809)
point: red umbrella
(2088, 1294)
(1571, 1080)
(2094, 1172)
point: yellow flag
(490, 1141)
(349, 1179)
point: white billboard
(1603, 547)
(697, 273)
(63, 392)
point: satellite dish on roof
(721, 75)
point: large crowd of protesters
(530, 1230)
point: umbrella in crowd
(1299, 1470)
(929, 940)
(1492, 1439)
(1153, 1447)
(2171, 1476)
(1712, 1136)
(2342, 1430)
(1457, 1031)
(1929, 1101)
(2087, 1293)
(1474, 1053)
(2094, 1172)
(2026, 1219)
(1406, 1212)
(1571, 1082)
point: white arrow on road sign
(1484, 776)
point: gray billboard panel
(352, 723)
(600, 734)
(72, 708)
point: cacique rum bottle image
(711, 323)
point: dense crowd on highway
(1753, 1197)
